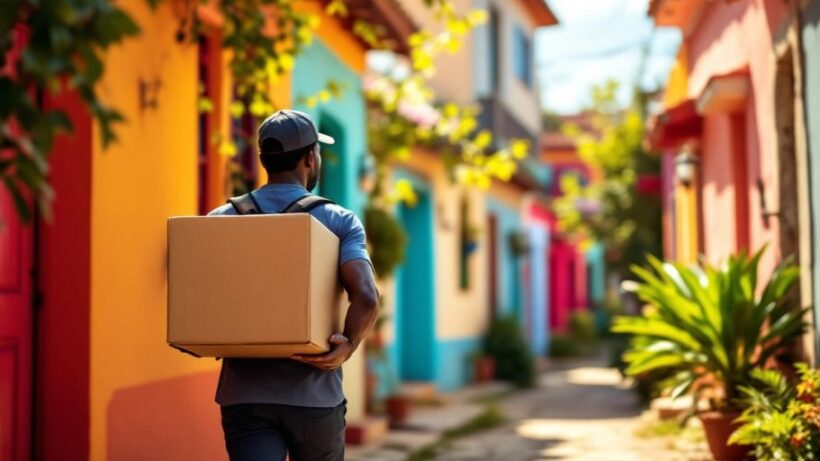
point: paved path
(579, 412)
(582, 413)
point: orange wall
(148, 175)
(148, 401)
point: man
(274, 407)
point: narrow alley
(581, 410)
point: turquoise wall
(508, 274)
(455, 367)
(343, 118)
(811, 80)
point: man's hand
(341, 350)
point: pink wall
(732, 37)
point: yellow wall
(686, 223)
(677, 85)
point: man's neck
(285, 178)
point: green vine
(46, 48)
(264, 38)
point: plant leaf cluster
(48, 47)
(710, 327)
(781, 420)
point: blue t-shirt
(286, 381)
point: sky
(598, 40)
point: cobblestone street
(583, 412)
(580, 413)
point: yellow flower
(227, 148)
(336, 8)
(402, 153)
(403, 192)
(520, 148)
(259, 108)
(305, 35)
(477, 17)
(237, 109)
(324, 96)
(286, 62)
(205, 105)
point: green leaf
(20, 202)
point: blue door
(415, 306)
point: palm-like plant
(708, 326)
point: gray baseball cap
(292, 130)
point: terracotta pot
(484, 369)
(719, 427)
(398, 409)
(371, 384)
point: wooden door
(15, 333)
(492, 253)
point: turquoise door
(415, 306)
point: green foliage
(612, 210)
(710, 322)
(582, 327)
(781, 421)
(387, 238)
(62, 42)
(563, 346)
(505, 342)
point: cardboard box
(252, 286)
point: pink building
(733, 115)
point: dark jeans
(257, 432)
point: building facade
(105, 383)
(734, 112)
(810, 36)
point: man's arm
(357, 279)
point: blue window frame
(523, 56)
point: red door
(15, 333)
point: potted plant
(483, 367)
(519, 242)
(396, 405)
(387, 239)
(782, 418)
(708, 328)
(374, 353)
(505, 343)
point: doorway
(415, 289)
(16, 330)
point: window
(523, 56)
(468, 242)
(493, 28)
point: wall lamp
(686, 167)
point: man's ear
(309, 158)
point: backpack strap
(305, 203)
(245, 204)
